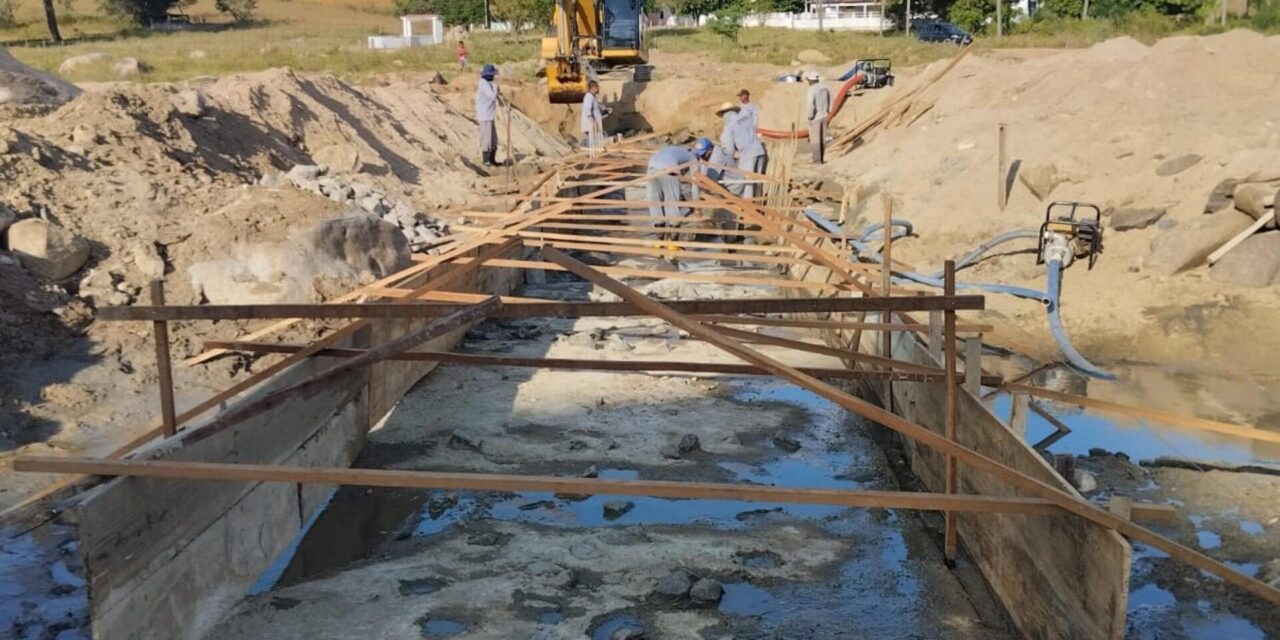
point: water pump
(1066, 236)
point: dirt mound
(24, 91)
(1120, 125)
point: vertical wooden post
(509, 161)
(949, 344)
(999, 18)
(1002, 168)
(1018, 413)
(886, 288)
(163, 368)
(935, 335)
(973, 364)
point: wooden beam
(484, 360)
(821, 349)
(587, 244)
(923, 435)
(168, 415)
(529, 310)
(312, 384)
(447, 481)
(1162, 417)
(675, 274)
(829, 324)
(952, 482)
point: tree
(520, 13)
(240, 10)
(453, 12)
(728, 21)
(141, 12)
(51, 18)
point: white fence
(866, 18)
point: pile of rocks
(420, 229)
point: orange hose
(835, 108)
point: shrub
(1268, 16)
(240, 10)
(727, 22)
(6, 13)
(141, 12)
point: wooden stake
(1002, 165)
(1018, 414)
(164, 370)
(950, 538)
(972, 363)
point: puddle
(613, 623)
(1150, 596)
(1223, 627)
(1208, 539)
(1180, 393)
(744, 599)
(441, 627)
(1252, 528)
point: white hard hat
(812, 75)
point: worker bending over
(593, 113)
(665, 169)
(817, 106)
(487, 114)
(722, 154)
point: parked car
(942, 32)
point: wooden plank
(950, 540)
(1161, 417)
(828, 324)
(584, 364)
(1241, 237)
(448, 481)
(548, 308)
(312, 384)
(937, 442)
(168, 415)
(686, 276)
(843, 354)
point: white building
(835, 16)
(407, 37)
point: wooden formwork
(165, 554)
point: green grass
(310, 35)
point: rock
(673, 585)
(127, 67)
(47, 250)
(812, 56)
(706, 591)
(1254, 199)
(1270, 573)
(590, 472)
(96, 288)
(1040, 179)
(688, 442)
(437, 79)
(360, 190)
(84, 135)
(465, 439)
(1126, 219)
(585, 550)
(1174, 166)
(1253, 263)
(363, 242)
(149, 263)
(338, 157)
(786, 443)
(7, 218)
(189, 102)
(84, 59)
(1084, 481)
(273, 180)
(339, 193)
(1188, 245)
(615, 509)
(372, 204)
(1220, 197)
(306, 172)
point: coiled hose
(1048, 298)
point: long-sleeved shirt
(817, 102)
(668, 157)
(751, 112)
(746, 141)
(487, 101)
(592, 113)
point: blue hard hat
(702, 146)
(488, 71)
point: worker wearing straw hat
(723, 153)
(817, 106)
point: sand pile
(24, 90)
(1146, 133)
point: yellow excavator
(589, 37)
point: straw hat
(728, 106)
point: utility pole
(1224, 12)
(1084, 14)
(1000, 18)
(488, 18)
(881, 18)
(820, 12)
(906, 18)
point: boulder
(47, 250)
(1254, 199)
(1040, 179)
(615, 509)
(706, 591)
(812, 56)
(1187, 245)
(148, 261)
(84, 59)
(1174, 166)
(363, 242)
(1253, 263)
(1220, 197)
(673, 585)
(127, 67)
(84, 135)
(305, 172)
(189, 102)
(1127, 218)
(338, 157)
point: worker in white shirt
(593, 113)
(817, 106)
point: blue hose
(1048, 298)
(1077, 361)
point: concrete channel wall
(166, 559)
(1056, 576)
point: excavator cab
(587, 37)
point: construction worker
(665, 168)
(817, 106)
(723, 153)
(592, 120)
(487, 113)
(750, 149)
(748, 108)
